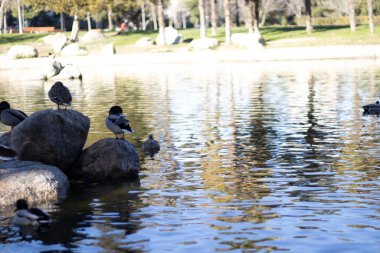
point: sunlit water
(255, 157)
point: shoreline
(345, 52)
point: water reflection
(254, 157)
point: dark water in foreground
(255, 158)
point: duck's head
(4, 105)
(116, 110)
(377, 102)
(21, 204)
(150, 137)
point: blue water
(255, 157)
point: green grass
(275, 36)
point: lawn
(275, 36)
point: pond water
(255, 157)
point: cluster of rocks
(49, 146)
(60, 45)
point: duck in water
(60, 95)
(117, 122)
(151, 146)
(25, 216)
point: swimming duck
(372, 108)
(10, 117)
(151, 146)
(6, 153)
(25, 216)
(60, 95)
(117, 122)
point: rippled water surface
(255, 157)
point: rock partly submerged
(108, 159)
(54, 137)
(33, 181)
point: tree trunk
(351, 14)
(5, 23)
(20, 25)
(154, 16)
(237, 17)
(309, 26)
(143, 20)
(161, 21)
(202, 18)
(109, 15)
(88, 21)
(75, 29)
(256, 10)
(184, 25)
(227, 17)
(214, 17)
(62, 19)
(370, 15)
(2, 8)
(249, 15)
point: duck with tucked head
(60, 95)
(117, 122)
(10, 117)
(151, 146)
(372, 108)
(25, 216)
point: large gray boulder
(92, 36)
(22, 51)
(54, 137)
(203, 44)
(73, 49)
(57, 41)
(35, 182)
(108, 159)
(5, 139)
(248, 40)
(144, 42)
(172, 36)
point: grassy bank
(275, 37)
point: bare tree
(161, 21)
(75, 29)
(370, 15)
(202, 18)
(143, 20)
(20, 23)
(154, 16)
(2, 8)
(227, 17)
(309, 26)
(109, 15)
(214, 17)
(88, 21)
(256, 17)
(249, 15)
(351, 14)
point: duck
(60, 95)
(372, 108)
(10, 117)
(25, 216)
(6, 153)
(151, 146)
(117, 122)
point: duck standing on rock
(117, 122)
(151, 146)
(25, 216)
(60, 95)
(10, 117)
